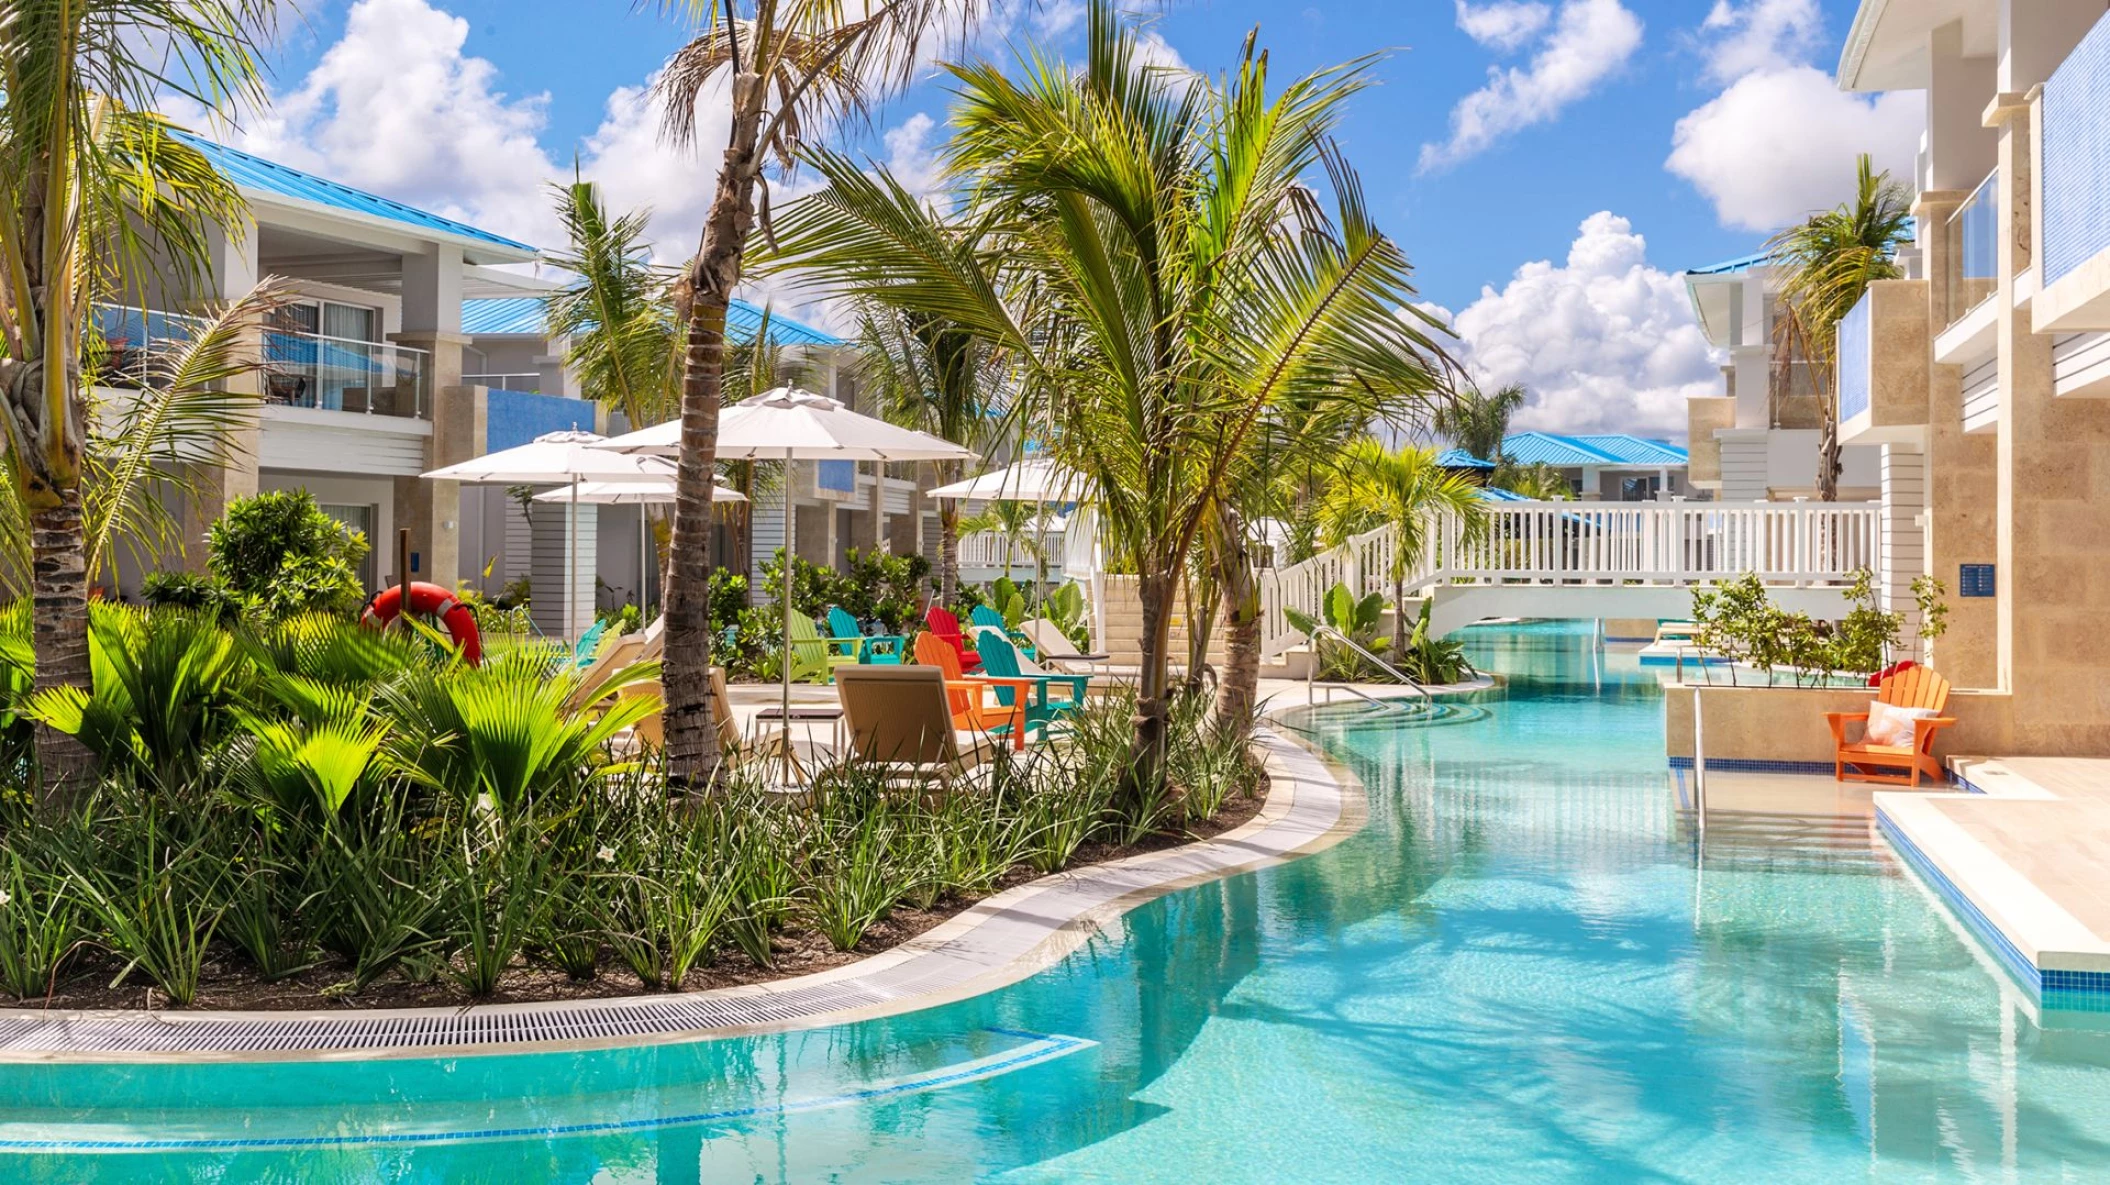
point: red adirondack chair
(941, 622)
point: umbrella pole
(571, 564)
(790, 524)
(644, 560)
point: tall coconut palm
(1479, 422)
(93, 186)
(1407, 491)
(1168, 277)
(936, 376)
(791, 68)
(1825, 265)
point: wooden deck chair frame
(900, 718)
(971, 709)
(1914, 687)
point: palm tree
(618, 318)
(1164, 275)
(933, 375)
(1478, 422)
(791, 65)
(1826, 264)
(1407, 491)
(93, 186)
(1537, 480)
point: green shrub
(201, 594)
(280, 554)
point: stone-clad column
(432, 322)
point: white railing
(1578, 543)
(989, 549)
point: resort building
(1758, 440)
(1602, 467)
(410, 345)
(1980, 377)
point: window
(318, 355)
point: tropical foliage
(278, 554)
(1171, 287)
(1826, 264)
(1478, 422)
(1737, 620)
(1407, 491)
(98, 194)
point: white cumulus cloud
(1503, 25)
(1604, 342)
(1779, 144)
(1589, 42)
(1779, 140)
(1738, 39)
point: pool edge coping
(1311, 798)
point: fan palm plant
(792, 67)
(1825, 265)
(1407, 491)
(1479, 422)
(1166, 277)
(94, 185)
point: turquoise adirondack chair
(984, 617)
(588, 645)
(876, 649)
(1000, 659)
(814, 657)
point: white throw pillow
(1888, 725)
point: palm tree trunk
(1828, 466)
(1239, 585)
(59, 594)
(1399, 619)
(949, 553)
(692, 740)
(1155, 589)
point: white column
(1904, 543)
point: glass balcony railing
(1855, 376)
(1974, 248)
(137, 347)
(340, 374)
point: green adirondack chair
(875, 649)
(814, 656)
(1000, 659)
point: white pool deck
(2025, 843)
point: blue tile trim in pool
(1965, 784)
(1038, 1047)
(2074, 991)
(1755, 765)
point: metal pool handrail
(1311, 671)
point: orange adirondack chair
(970, 709)
(1914, 687)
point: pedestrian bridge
(1590, 560)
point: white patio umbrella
(788, 424)
(1036, 479)
(556, 458)
(656, 491)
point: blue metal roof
(524, 315)
(256, 173)
(521, 315)
(1635, 450)
(1728, 267)
(743, 320)
(1458, 458)
(1531, 448)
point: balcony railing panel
(1854, 346)
(2073, 213)
(1974, 248)
(341, 374)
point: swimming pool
(1516, 970)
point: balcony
(1974, 254)
(2072, 178)
(1882, 365)
(303, 370)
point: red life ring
(430, 600)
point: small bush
(280, 555)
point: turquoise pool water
(1517, 971)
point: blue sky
(1600, 146)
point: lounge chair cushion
(1892, 725)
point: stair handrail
(1374, 660)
